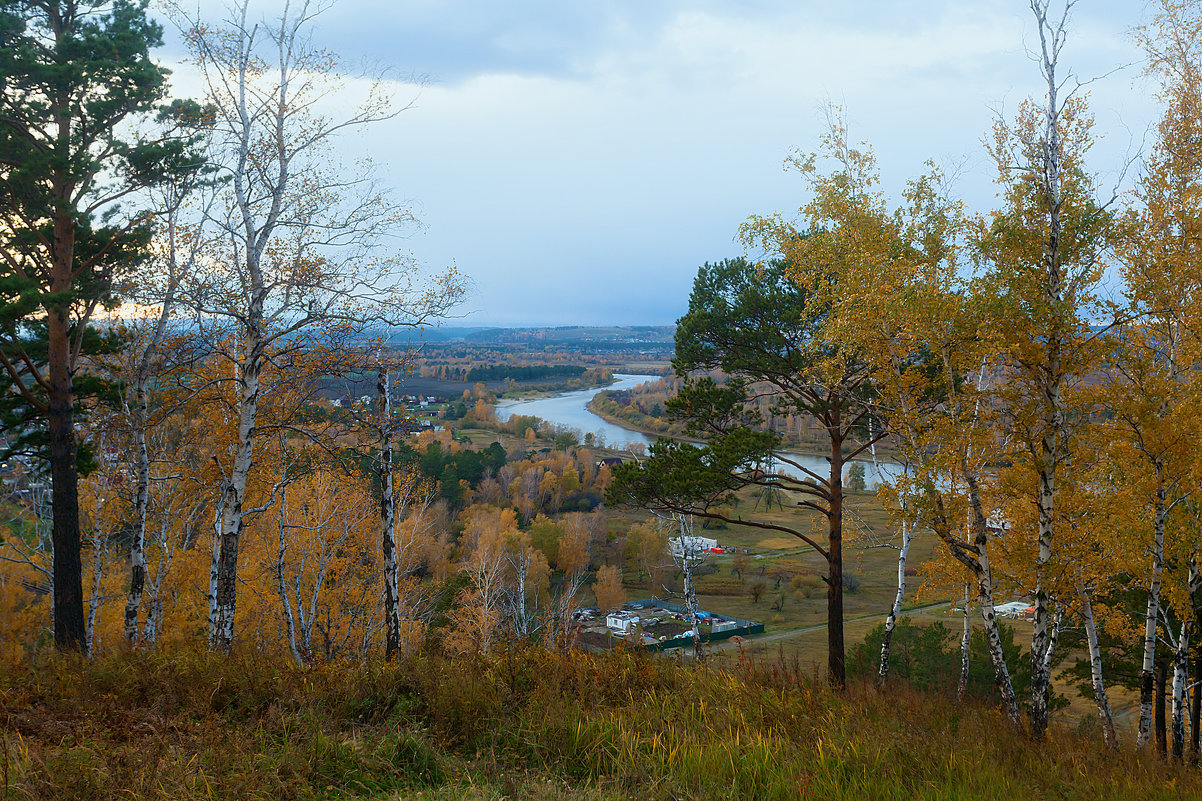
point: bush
(928, 658)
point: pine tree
(74, 74)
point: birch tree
(1163, 278)
(1042, 255)
(295, 257)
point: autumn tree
(1042, 255)
(75, 75)
(294, 262)
(609, 590)
(1155, 393)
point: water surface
(571, 409)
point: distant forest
(525, 372)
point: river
(571, 409)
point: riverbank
(626, 424)
(884, 454)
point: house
(621, 622)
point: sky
(580, 159)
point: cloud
(581, 160)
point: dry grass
(525, 723)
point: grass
(874, 567)
(525, 723)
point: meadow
(524, 723)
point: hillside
(527, 723)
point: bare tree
(294, 260)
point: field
(796, 632)
(790, 569)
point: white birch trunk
(231, 521)
(281, 584)
(139, 417)
(687, 556)
(1109, 737)
(1049, 375)
(1048, 656)
(1180, 680)
(984, 575)
(137, 547)
(1147, 665)
(392, 631)
(898, 598)
(95, 599)
(965, 640)
(520, 564)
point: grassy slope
(530, 724)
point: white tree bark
(392, 619)
(985, 588)
(685, 560)
(282, 584)
(1109, 737)
(907, 532)
(177, 262)
(965, 640)
(231, 520)
(1180, 680)
(95, 595)
(1152, 614)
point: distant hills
(558, 335)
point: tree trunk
(965, 640)
(70, 631)
(1049, 375)
(836, 667)
(95, 597)
(282, 585)
(1001, 673)
(975, 557)
(1162, 669)
(1040, 642)
(1180, 677)
(895, 610)
(1095, 667)
(1196, 710)
(1146, 678)
(690, 588)
(223, 604)
(137, 545)
(1048, 655)
(392, 620)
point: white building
(621, 622)
(1012, 609)
(694, 547)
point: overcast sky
(579, 159)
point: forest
(221, 578)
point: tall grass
(525, 723)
